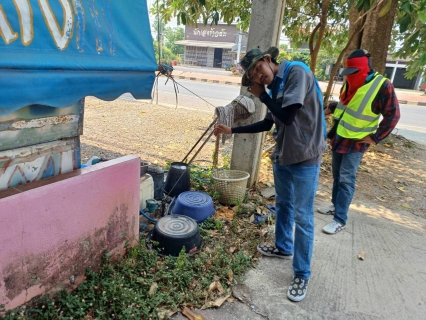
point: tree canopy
(411, 19)
(193, 12)
(321, 24)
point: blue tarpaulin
(55, 52)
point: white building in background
(214, 46)
(395, 71)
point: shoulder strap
(288, 66)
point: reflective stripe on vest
(357, 122)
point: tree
(172, 35)
(323, 24)
(158, 27)
(320, 24)
(370, 28)
(411, 19)
(375, 31)
(192, 12)
(316, 23)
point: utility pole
(265, 30)
(240, 37)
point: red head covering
(357, 70)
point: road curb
(238, 84)
(210, 81)
(412, 103)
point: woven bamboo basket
(231, 185)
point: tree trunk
(313, 54)
(318, 32)
(356, 25)
(336, 68)
(370, 32)
(377, 34)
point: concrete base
(53, 229)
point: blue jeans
(295, 188)
(344, 167)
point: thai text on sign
(210, 33)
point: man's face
(261, 72)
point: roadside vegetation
(145, 285)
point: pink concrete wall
(53, 229)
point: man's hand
(367, 139)
(221, 128)
(256, 89)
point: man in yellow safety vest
(365, 96)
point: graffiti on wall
(33, 163)
(74, 16)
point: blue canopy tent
(54, 53)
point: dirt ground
(392, 174)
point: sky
(171, 24)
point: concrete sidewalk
(389, 284)
(412, 97)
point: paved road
(412, 124)
(218, 71)
(215, 94)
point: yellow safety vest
(358, 120)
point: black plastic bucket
(178, 179)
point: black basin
(172, 233)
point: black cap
(358, 53)
(251, 58)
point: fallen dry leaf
(264, 232)
(225, 213)
(153, 288)
(219, 301)
(190, 314)
(216, 285)
(213, 233)
(231, 299)
(231, 250)
(230, 275)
